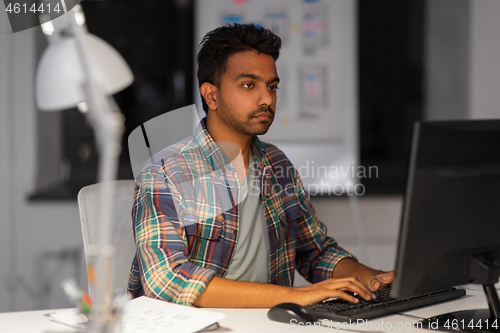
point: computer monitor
(450, 228)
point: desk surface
(255, 320)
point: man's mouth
(264, 116)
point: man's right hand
(224, 293)
(333, 288)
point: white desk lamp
(80, 69)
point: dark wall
(391, 67)
(156, 39)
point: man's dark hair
(219, 44)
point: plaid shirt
(186, 234)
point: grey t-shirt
(251, 258)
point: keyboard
(383, 305)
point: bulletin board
(316, 114)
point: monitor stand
(485, 268)
(478, 320)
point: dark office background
(391, 67)
(157, 41)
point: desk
(255, 320)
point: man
(204, 235)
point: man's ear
(209, 92)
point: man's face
(247, 93)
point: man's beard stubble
(245, 128)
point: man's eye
(273, 88)
(247, 85)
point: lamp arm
(108, 126)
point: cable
(408, 315)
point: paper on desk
(69, 318)
(145, 314)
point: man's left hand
(372, 278)
(380, 280)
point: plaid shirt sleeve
(316, 253)
(162, 256)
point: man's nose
(266, 97)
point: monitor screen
(450, 228)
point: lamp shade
(60, 77)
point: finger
(343, 295)
(387, 278)
(386, 275)
(366, 289)
(361, 289)
(354, 285)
